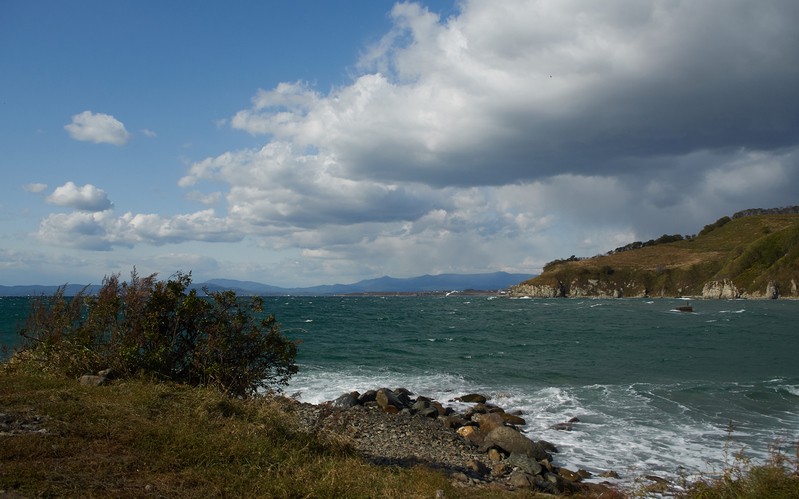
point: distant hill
(422, 284)
(754, 254)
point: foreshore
(481, 446)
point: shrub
(161, 329)
(715, 225)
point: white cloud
(203, 198)
(98, 128)
(84, 198)
(104, 230)
(504, 136)
(149, 133)
(35, 187)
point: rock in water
(511, 440)
(473, 397)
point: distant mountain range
(422, 284)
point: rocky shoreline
(479, 447)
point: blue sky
(304, 143)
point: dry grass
(140, 439)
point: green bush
(161, 329)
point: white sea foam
(633, 429)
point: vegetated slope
(751, 255)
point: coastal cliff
(753, 254)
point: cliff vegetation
(753, 254)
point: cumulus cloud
(528, 89)
(524, 128)
(83, 198)
(104, 230)
(98, 128)
(504, 136)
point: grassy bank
(136, 438)
(145, 439)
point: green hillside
(755, 254)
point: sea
(656, 391)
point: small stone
(609, 474)
(440, 494)
(477, 466)
(91, 380)
(460, 477)
(494, 455)
(569, 475)
(499, 469)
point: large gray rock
(346, 400)
(525, 463)
(511, 440)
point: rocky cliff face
(537, 291)
(720, 290)
(724, 289)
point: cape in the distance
(427, 284)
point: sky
(316, 142)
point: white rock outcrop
(720, 290)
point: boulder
(570, 475)
(511, 440)
(520, 480)
(473, 397)
(488, 421)
(346, 400)
(453, 421)
(429, 412)
(388, 401)
(442, 411)
(513, 419)
(368, 396)
(524, 463)
(472, 435)
(420, 405)
(404, 396)
(477, 409)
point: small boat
(685, 308)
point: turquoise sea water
(655, 389)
